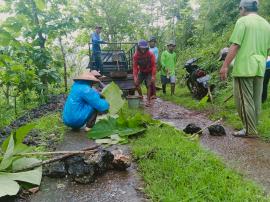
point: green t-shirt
(252, 34)
(168, 61)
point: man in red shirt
(144, 68)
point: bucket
(133, 101)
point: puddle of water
(113, 186)
(248, 156)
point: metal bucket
(133, 101)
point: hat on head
(98, 26)
(86, 76)
(95, 73)
(171, 43)
(223, 53)
(153, 38)
(249, 3)
(143, 44)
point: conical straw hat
(86, 76)
(96, 73)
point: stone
(55, 170)
(217, 130)
(121, 162)
(80, 171)
(101, 160)
(192, 129)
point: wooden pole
(67, 154)
(216, 122)
(53, 153)
(227, 99)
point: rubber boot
(164, 88)
(172, 89)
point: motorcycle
(197, 80)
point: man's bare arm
(231, 55)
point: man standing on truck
(250, 45)
(168, 62)
(153, 48)
(144, 69)
(96, 49)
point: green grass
(7, 113)
(219, 109)
(175, 168)
(51, 130)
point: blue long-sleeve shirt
(81, 103)
(96, 41)
(155, 52)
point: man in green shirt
(168, 62)
(250, 45)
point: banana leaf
(113, 95)
(107, 127)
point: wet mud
(250, 157)
(120, 186)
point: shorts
(147, 77)
(165, 80)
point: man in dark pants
(144, 69)
(168, 62)
(266, 80)
(96, 49)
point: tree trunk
(65, 63)
(42, 41)
(6, 93)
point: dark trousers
(92, 120)
(97, 62)
(265, 84)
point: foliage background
(41, 41)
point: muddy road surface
(113, 186)
(248, 156)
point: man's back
(252, 34)
(257, 33)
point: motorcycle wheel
(201, 91)
(189, 85)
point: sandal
(86, 129)
(148, 104)
(242, 133)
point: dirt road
(248, 156)
(112, 187)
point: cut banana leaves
(114, 139)
(113, 95)
(107, 127)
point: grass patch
(219, 109)
(175, 168)
(7, 113)
(51, 130)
